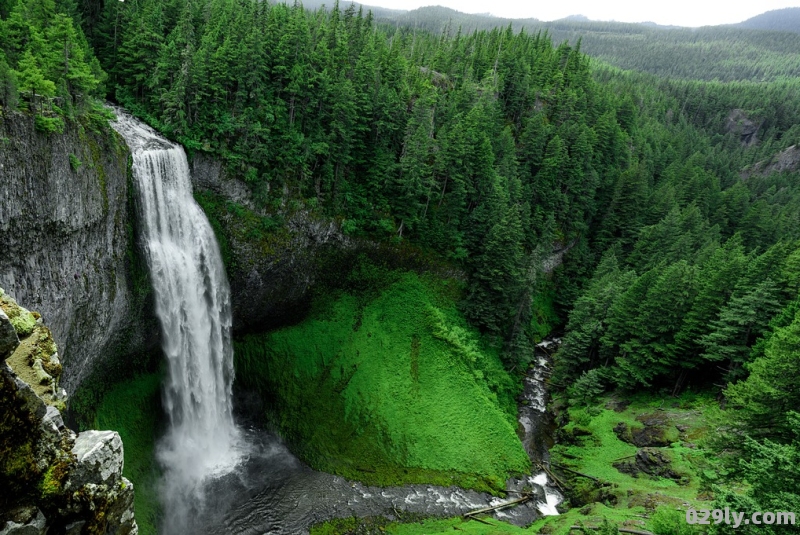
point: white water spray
(192, 299)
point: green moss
(23, 323)
(18, 462)
(52, 483)
(74, 162)
(488, 526)
(133, 409)
(426, 526)
(21, 319)
(390, 387)
(213, 206)
(591, 517)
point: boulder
(648, 461)
(652, 433)
(739, 124)
(99, 459)
(8, 336)
(25, 521)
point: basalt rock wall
(67, 240)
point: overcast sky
(677, 12)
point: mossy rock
(22, 319)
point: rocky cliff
(272, 260)
(51, 480)
(67, 239)
(786, 161)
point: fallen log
(482, 521)
(560, 484)
(621, 530)
(577, 473)
(493, 508)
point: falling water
(192, 301)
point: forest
(491, 149)
(726, 53)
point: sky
(672, 12)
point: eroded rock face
(738, 123)
(66, 235)
(50, 479)
(8, 336)
(271, 276)
(786, 161)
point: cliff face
(270, 271)
(68, 235)
(67, 240)
(786, 161)
(51, 480)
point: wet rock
(650, 461)
(271, 275)
(24, 521)
(75, 528)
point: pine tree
(738, 326)
(32, 80)
(770, 391)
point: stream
(272, 492)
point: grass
(390, 387)
(133, 409)
(598, 447)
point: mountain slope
(784, 20)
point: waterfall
(192, 300)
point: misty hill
(722, 53)
(785, 20)
(711, 53)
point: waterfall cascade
(192, 299)
(270, 491)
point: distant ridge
(725, 52)
(784, 20)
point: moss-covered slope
(390, 387)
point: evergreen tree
(32, 81)
(740, 323)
